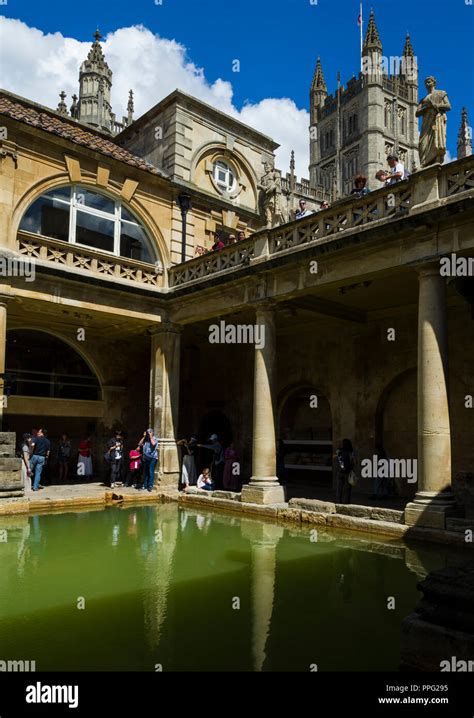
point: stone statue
(432, 109)
(271, 197)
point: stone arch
(62, 180)
(91, 364)
(232, 155)
(396, 420)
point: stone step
(460, 525)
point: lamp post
(184, 201)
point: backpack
(344, 460)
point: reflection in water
(159, 581)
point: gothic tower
(464, 136)
(317, 96)
(95, 84)
(374, 115)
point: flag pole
(361, 25)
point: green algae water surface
(162, 588)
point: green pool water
(149, 587)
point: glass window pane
(133, 243)
(93, 200)
(96, 232)
(128, 216)
(48, 216)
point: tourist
(218, 244)
(397, 170)
(64, 454)
(303, 210)
(188, 468)
(114, 457)
(84, 460)
(41, 449)
(380, 482)
(360, 189)
(345, 457)
(240, 236)
(231, 240)
(149, 444)
(324, 205)
(231, 474)
(135, 464)
(25, 451)
(217, 465)
(205, 481)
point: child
(135, 459)
(205, 481)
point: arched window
(39, 364)
(85, 217)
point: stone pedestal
(434, 500)
(439, 635)
(164, 398)
(264, 487)
(11, 481)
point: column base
(430, 510)
(269, 491)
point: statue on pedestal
(432, 109)
(271, 196)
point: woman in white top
(25, 462)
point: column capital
(265, 305)
(429, 269)
(163, 328)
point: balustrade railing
(67, 256)
(348, 215)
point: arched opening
(305, 438)
(49, 384)
(41, 365)
(396, 429)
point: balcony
(80, 259)
(425, 190)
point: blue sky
(277, 41)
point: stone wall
(11, 481)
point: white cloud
(39, 66)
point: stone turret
(464, 136)
(372, 51)
(319, 91)
(95, 85)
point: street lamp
(184, 201)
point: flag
(359, 20)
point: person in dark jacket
(345, 462)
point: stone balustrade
(69, 256)
(424, 189)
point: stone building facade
(111, 330)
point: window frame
(115, 217)
(228, 169)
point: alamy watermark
(406, 65)
(376, 468)
(454, 266)
(18, 267)
(17, 666)
(223, 333)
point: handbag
(352, 478)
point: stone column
(164, 397)
(3, 348)
(264, 487)
(434, 499)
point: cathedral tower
(95, 84)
